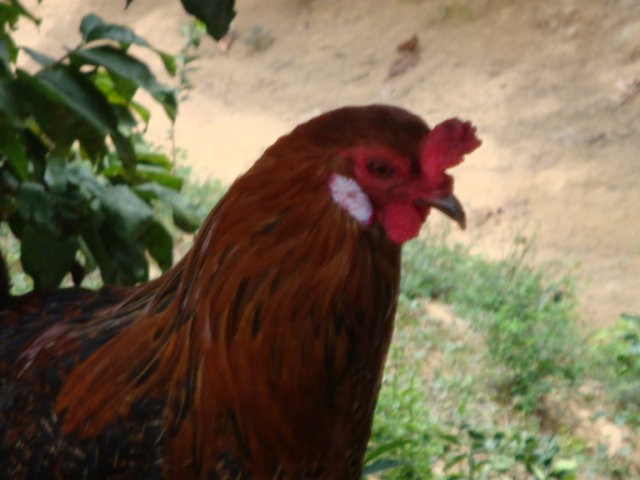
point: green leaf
(12, 145)
(118, 90)
(114, 236)
(216, 14)
(160, 244)
(127, 67)
(126, 213)
(537, 471)
(65, 85)
(115, 173)
(10, 12)
(92, 241)
(61, 124)
(476, 435)
(24, 12)
(93, 28)
(126, 152)
(103, 82)
(376, 452)
(8, 54)
(85, 181)
(52, 121)
(35, 205)
(90, 263)
(57, 206)
(16, 223)
(92, 143)
(127, 257)
(159, 159)
(448, 437)
(565, 466)
(46, 257)
(55, 175)
(381, 465)
(10, 101)
(153, 173)
(144, 112)
(126, 120)
(41, 58)
(185, 215)
(454, 461)
(169, 62)
(124, 86)
(121, 262)
(502, 462)
(88, 23)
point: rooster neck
(266, 343)
(293, 314)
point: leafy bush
(77, 181)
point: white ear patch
(347, 193)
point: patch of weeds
(447, 428)
(617, 354)
(475, 453)
(614, 467)
(402, 418)
(526, 313)
(620, 347)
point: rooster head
(397, 170)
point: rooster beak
(451, 207)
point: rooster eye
(380, 169)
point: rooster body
(259, 355)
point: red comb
(445, 147)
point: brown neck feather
(267, 340)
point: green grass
(526, 313)
(439, 411)
(616, 352)
(470, 394)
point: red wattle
(402, 222)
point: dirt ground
(554, 87)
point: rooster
(259, 355)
